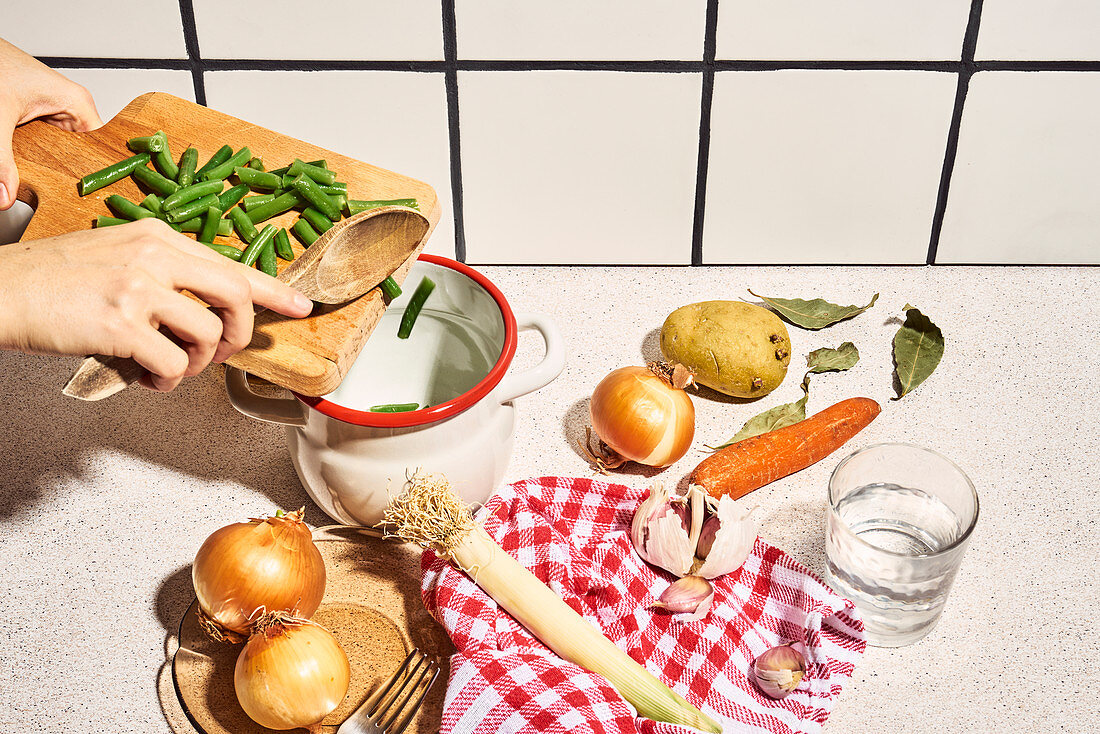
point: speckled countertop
(102, 506)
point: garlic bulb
(670, 531)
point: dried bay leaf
(918, 348)
(778, 417)
(815, 314)
(825, 359)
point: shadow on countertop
(49, 438)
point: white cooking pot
(455, 362)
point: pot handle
(283, 411)
(515, 385)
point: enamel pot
(454, 365)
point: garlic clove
(659, 535)
(732, 541)
(691, 595)
(780, 670)
(706, 536)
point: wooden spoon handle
(101, 377)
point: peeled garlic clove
(734, 535)
(779, 671)
(658, 533)
(691, 595)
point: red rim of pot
(451, 407)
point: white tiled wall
(925, 30)
(396, 120)
(578, 167)
(824, 132)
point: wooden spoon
(347, 261)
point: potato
(733, 347)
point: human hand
(30, 90)
(108, 291)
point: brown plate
(372, 605)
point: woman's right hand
(109, 291)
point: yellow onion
(263, 565)
(291, 673)
(642, 414)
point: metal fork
(379, 713)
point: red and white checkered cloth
(574, 534)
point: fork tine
(402, 699)
(400, 727)
(380, 698)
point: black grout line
(645, 67)
(191, 41)
(321, 65)
(710, 45)
(79, 62)
(450, 55)
(970, 42)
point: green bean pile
(192, 199)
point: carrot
(750, 464)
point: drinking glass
(898, 523)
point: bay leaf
(815, 314)
(918, 348)
(778, 417)
(825, 359)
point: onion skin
(292, 673)
(642, 417)
(249, 568)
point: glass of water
(898, 523)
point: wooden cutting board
(309, 355)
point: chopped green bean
(216, 160)
(275, 207)
(210, 225)
(267, 262)
(319, 221)
(361, 205)
(127, 209)
(416, 303)
(246, 230)
(109, 221)
(307, 234)
(110, 174)
(231, 196)
(188, 161)
(254, 201)
(306, 186)
(259, 242)
(340, 200)
(228, 250)
(337, 187)
(320, 163)
(257, 164)
(154, 143)
(153, 203)
(282, 245)
(390, 288)
(163, 162)
(224, 170)
(394, 408)
(318, 174)
(225, 227)
(192, 208)
(258, 179)
(192, 192)
(153, 180)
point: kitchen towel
(574, 534)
